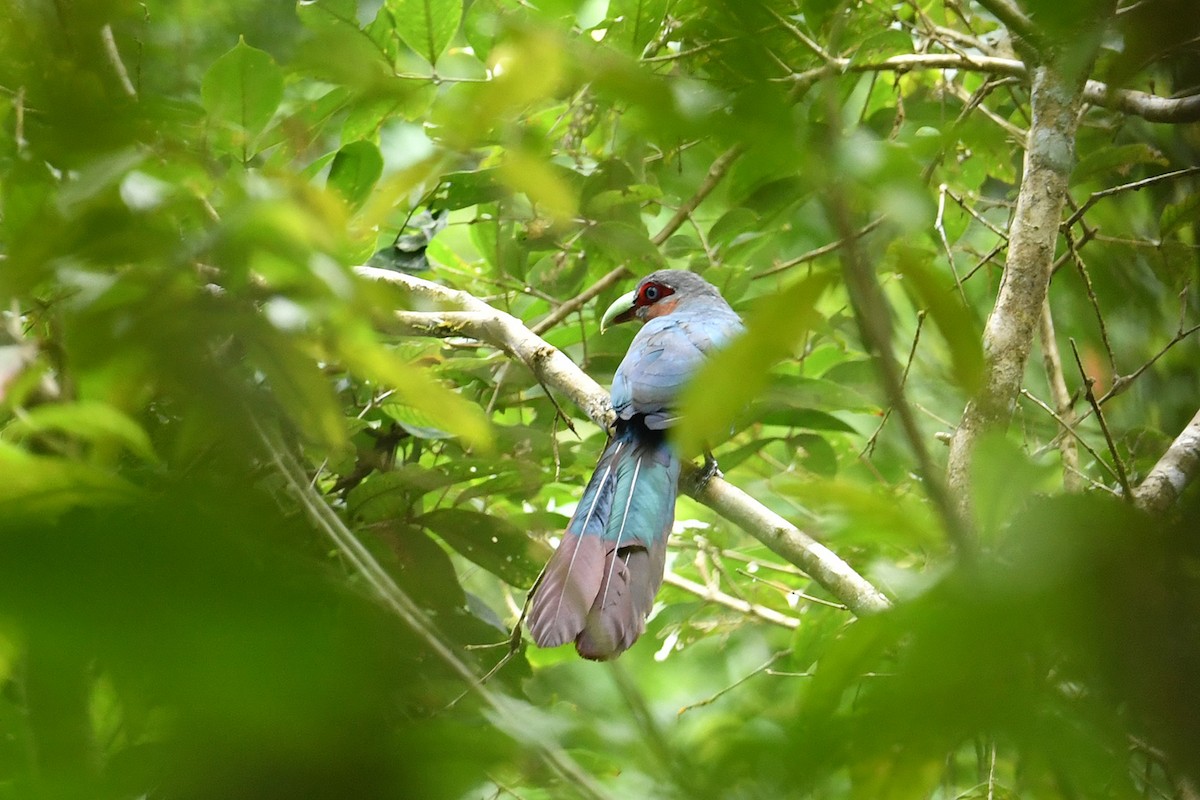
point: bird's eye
(650, 293)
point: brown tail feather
(570, 582)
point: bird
(600, 583)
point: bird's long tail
(599, 585)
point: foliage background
(186, 188)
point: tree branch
(1174, 471)
(1012, 18)
(480, 321)
(1014, 321)
(716, 172)
(712, 594)
(1052, 361)
(1152, 107)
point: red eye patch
(652, 292)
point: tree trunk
(1013, 324)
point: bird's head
(657, 294)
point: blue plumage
(600, 584)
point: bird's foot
(707, 472)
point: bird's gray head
(661, 293)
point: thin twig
(813, 255)
(1069, 428)
(1122, 382)
(716, 172)
(800, 35)
(874, 322)
(869, 448)
(114, 58)
(940, 227)
(393, 597)
(712, 594)
(1052, 363)
(1151, 107)
(970, 209)
(1088, 383)
(1133, 186)
(708, 701)
(569, 307)
(1091, 293)
(788, 591)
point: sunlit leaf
(243, 87)
(355, 169)
(438, 406)
(426, 26)
(954, 321)
(89, 420)
(547, 187)
(42, 486)
(735, 376)
(321, 14)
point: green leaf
(426, 26)
(769, 413)
(339, 15)
(882, 45)
(1176, 215)
(243, 88)
(954, 321)
(491, 542)
(736, 375)
(298, 386)
(469, 188)
(390, 495)
(814, 452)
(39, 486)
(356, 168)
(414, 421)
(90, 421)
(438, 406)
(623, 243)
(424, 567)
(1119, 159)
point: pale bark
(477, 320)
(1174, 471)
(1152, 107)
(1014, 321)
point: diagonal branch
(1178, 467)
(480, 321)
(716, 171)
(712, 594)
(506, 712)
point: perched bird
(599, 585)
